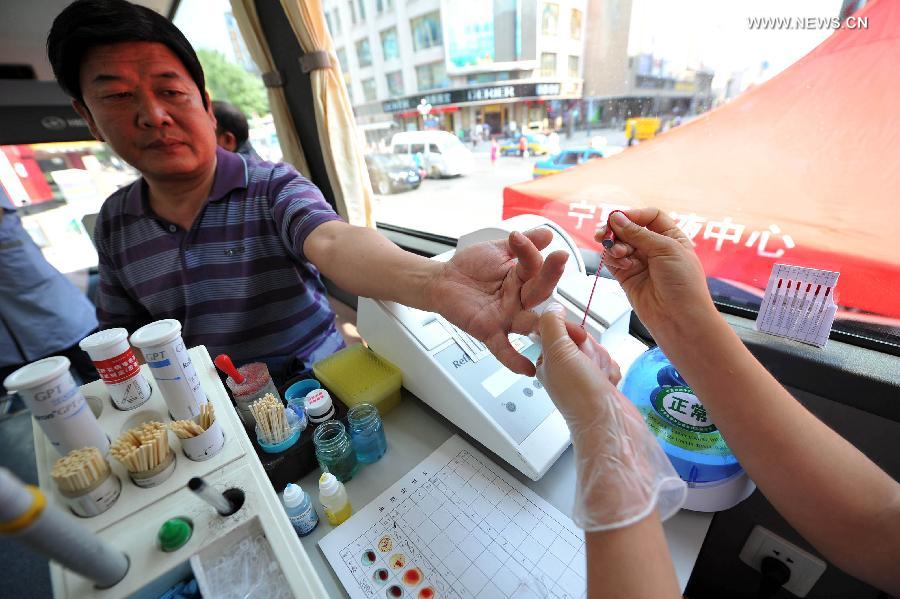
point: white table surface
(414, 431)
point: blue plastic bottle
(300, 510)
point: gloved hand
(622, 473)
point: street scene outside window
(539, 91)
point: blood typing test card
(799, 304)
(457, 525)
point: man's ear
(209, 106)
(84, 113)
(228, 141)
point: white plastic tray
(132, 523)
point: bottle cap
(293, 495)
(317, 403)
(39, 373)
(174, 533)
(156, 333)
(328, 484)
(103, 339)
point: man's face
(140, 98)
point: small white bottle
(319, 406)
(300, 510)
(334, 499)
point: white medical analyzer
(509, 414)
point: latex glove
(488, 290)
(655, 263)
(622, 474)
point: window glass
(575, 24)
(401, 149)
(573, 66)
(488, 71)
(394, 83)
(426, 30)
(336, 21)
(58, 187)
(417, 148)
(383, 5)
(369, 91)
(351, 4)
(432, 148)
(548, 64)
(362, 9)
(550, 18)
(342, 59)
(363, 52)
(432, 76)
(389, 44)
(568, 158)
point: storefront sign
(477, 94)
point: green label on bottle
(680, 407)
(680, 419)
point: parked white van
(442, 154)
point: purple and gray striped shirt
(238, 280)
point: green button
(174, 534)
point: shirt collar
(231, 174)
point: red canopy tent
(803, 169)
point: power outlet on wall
(805, 568)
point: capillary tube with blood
(609, 240)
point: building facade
(619, 85)
(465, 66)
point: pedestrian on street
(495, 149)
(523, 146)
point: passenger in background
(41, 312)
(839, 500)
(232, 130)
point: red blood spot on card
(394, 591)
(412, 577)
(426, 593)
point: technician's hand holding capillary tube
(26, 516)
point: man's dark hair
(230, 118)
(85, 24)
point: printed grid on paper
(471, 534)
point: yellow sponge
(358, 375)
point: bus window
(495, 87)
(57, 187)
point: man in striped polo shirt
(234, 248)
